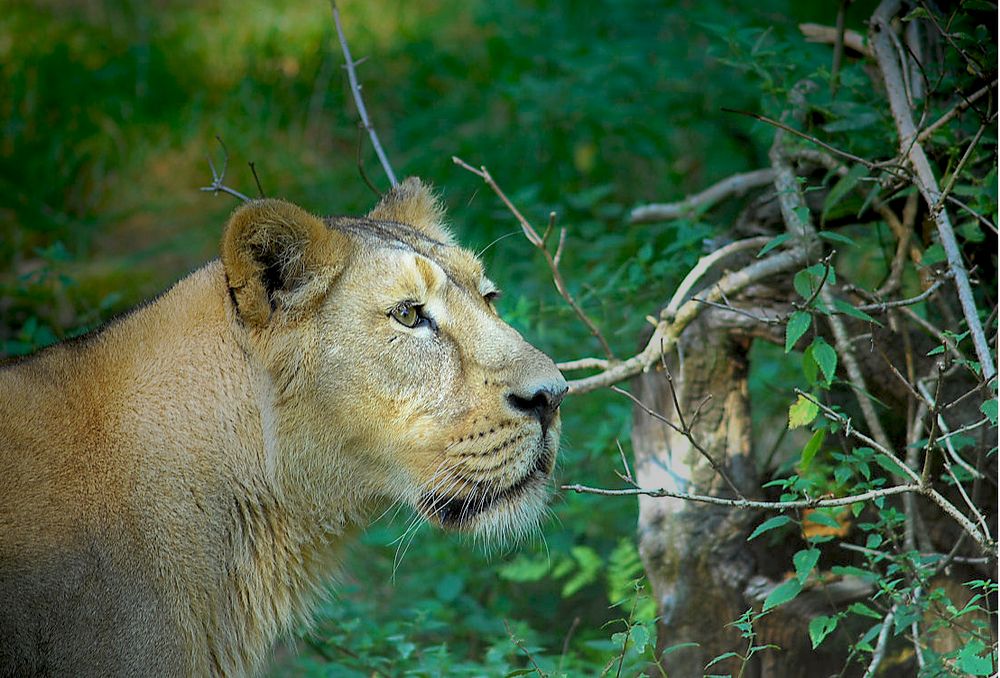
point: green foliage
(109, 109)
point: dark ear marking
(277, 255)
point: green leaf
(804, 561)
(864, 611)
(804, 283)
(782, 593)
(843, 187)
(833, 236)
(802, 412)
(989, 408)
(769, 524)
(678, 646)
(847, 309)
(524, 569)
(891, 466)
(811, 448)
(797, 326)
(640, 638)
(775, 242)
(722, 657)
(820, 627)
(809, 367)
(825, 357)
(821, 518)
(970, 661)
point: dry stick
(660, 492)
(665, 335)
(957, 110)
(683, 429)
(735, 185)
(706, 263)
(583, 364)
(890, 166)
(538, 241)
(218, 178)
(828, 35)
(352, 76)
(883, 638)
(925, 180)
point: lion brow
(395, 235)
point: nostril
(542, 404)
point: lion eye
(492, 296)
(407, 314)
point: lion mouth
(457, 512)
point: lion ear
(277, 256)
(413, 203)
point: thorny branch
(218, 184)
(539, 242)
(350, 65)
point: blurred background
(109, 111)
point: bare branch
(683, 429)
(956, 110)
(828, 35)
(879, 34)
(218, 178)
(735, 185)
(352, 76)
(665, 335)
(706, 263)
(539, 241)
(660, 492)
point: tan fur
(176, 489)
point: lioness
(176, 488)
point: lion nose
(541, 402)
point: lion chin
(493, 511)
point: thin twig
(808, 137)
(218, 178)
(955, 111)
(883, 639)
(359, 102)
(659, 493)
(682, 430)
(253, 170)
(539, 242)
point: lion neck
(266, 506)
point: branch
(828, 35)
(666, 333)
(926, 490)
(539, 241)
(349, 65)
(909, 144)
(683, 429)
(660, 492)
(218, 178)
(707, 262)
(736, 185)
(957, 110)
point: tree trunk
(703, 572)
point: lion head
(391, 375)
